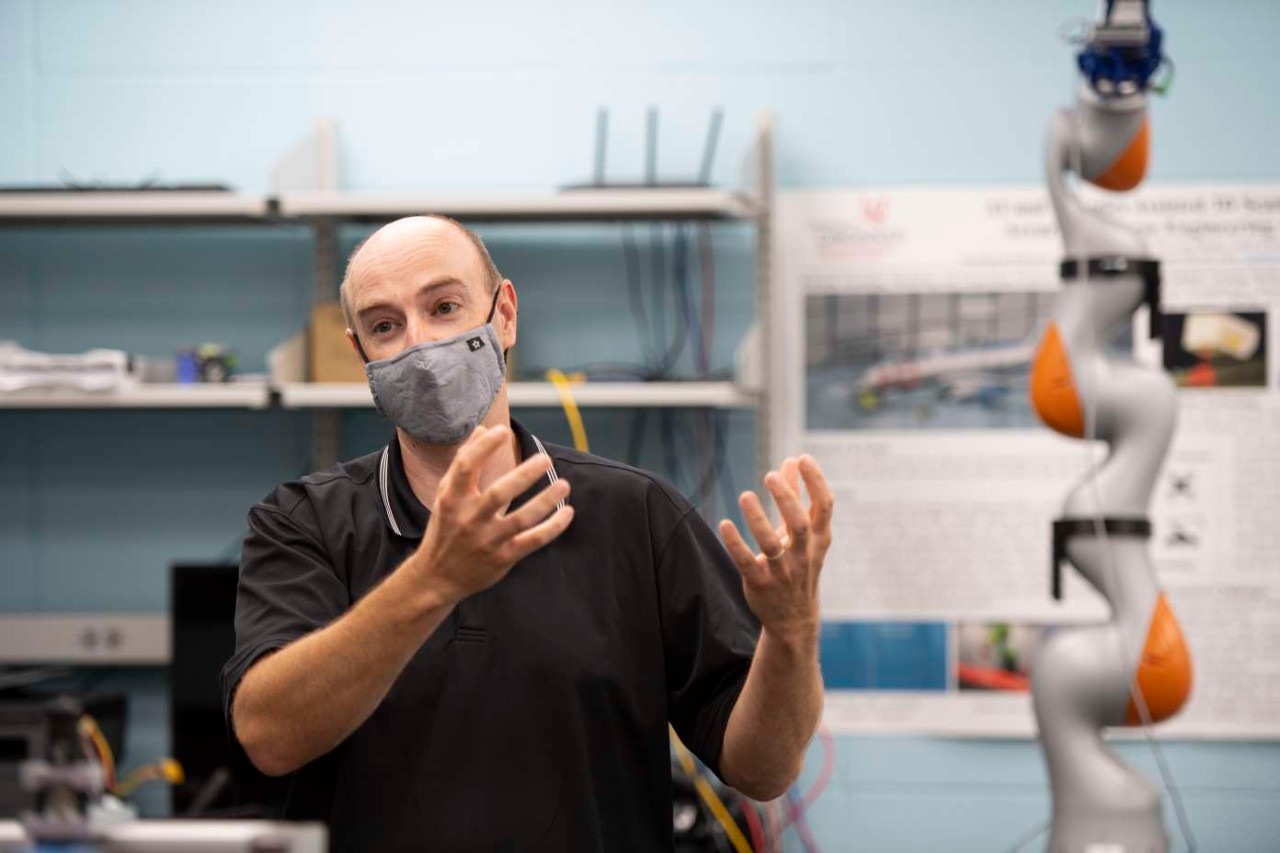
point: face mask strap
(506, 353)
(493, 306)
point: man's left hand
(781, 582)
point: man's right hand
(302, 701)
(471, 541)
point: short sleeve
(287, 589)
(709, 635)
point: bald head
(397, 247)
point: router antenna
(651, 147)
(602, 142)
(709, 149)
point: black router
(702, 181)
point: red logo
(875, 210)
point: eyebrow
(429, 286)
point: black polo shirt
(535, 717)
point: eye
(452, 306)
(382, 327)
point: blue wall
(503, 95)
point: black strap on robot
(1065, 528)
(1111, 266)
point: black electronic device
(694, 828)
(23, 734)
(651, 180)
(220, 781)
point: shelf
(720, 395)
(230, 207)
(230, 395)
(321, 395)
(132, 207)
(318, 395)
(325, 395)
(715, 395)
(568, 205)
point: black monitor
(220, 781)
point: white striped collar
(386, 489)
(382, 488)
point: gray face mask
(440, 390)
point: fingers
(821, 500)
(536, 508)
(741, 554)
(528, 541)
(514, 483)
(768, 539)
(791, 473)
(788, 501)
(465, 468)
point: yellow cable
(709, 796)
(166, 769)
(172, 771)
(563, 388)
(133, 780)
(89, 726)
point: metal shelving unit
(318, 202)
(306, 194)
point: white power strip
(85, 638)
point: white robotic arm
(1135, 669)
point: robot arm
(1136, 667)
(1105, 138)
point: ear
(508, 309)
(355, 345)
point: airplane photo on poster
(984, 376)
(921, 360)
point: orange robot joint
(1053, 390)
(1164, 670)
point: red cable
(828, 767)
(796, 811)
(773, 823)
(806, 837)
(753, 824)
(802, 826)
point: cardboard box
(330, 356)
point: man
(471, 640)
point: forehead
(403, 256)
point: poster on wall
(910, 348)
